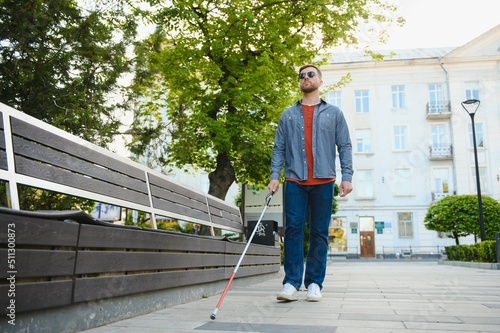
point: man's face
(309, 84)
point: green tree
(458, 215)
(223, 71)
(61, 62)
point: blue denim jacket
(329, 131)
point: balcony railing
(439, 195)
(438, 110)
(441, 152)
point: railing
(395, 253)
(441, 152)
(413, 252)
(438, 110)
(439, 195)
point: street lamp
(471, 106)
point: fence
(397, 253)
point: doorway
(367, 236)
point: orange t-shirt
(308, 111)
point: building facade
(412, 141)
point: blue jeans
(318, 199)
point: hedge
(479, 252)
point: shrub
(480, 252)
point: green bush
(480, 252)
(282, 252)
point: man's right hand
(274, 185)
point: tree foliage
(458, 215)
(225, 70)
(60, 61)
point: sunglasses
(309, 74)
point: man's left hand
(345, 188)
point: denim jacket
(329, 131)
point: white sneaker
(288, 293)
(313, 293)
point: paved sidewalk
(358, 297)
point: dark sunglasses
(303, 75)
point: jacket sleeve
(278, 157)
(344, 147)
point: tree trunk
(222, 177)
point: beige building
(412, 140)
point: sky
(441, 23)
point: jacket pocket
(326, 121)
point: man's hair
(313, 66)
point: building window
(398, 97)
(363, 141)
(440, 144)
(479, 135)
(364, 183)
(405, 225)
(436, 98)
(362, 101)
(400, 137)
(441, 183)
(472, 90)
(334, 98)
(402, 182)
(483, 179)
(337, 234)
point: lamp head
(471, 106)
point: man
(305, 145)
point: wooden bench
(70, 260)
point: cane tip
(212, 316)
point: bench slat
(40, 263)
(39, 232)
(222, 206)
(176, 188)
(254, 270)
(74, 164)
(3, 154)
(92, 236)
(160, 203)
(178, 199)
(56, 175)
(38, 295)
(90, 262)
(89, 289)
(47, 138)
(232, 260)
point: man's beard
(308, 89)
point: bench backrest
(36, 154)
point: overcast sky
(442, 23)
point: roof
(404, 54)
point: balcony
(438, 110)
(439, 195)
(441, 152)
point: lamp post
(471, 106)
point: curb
(480, 265)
